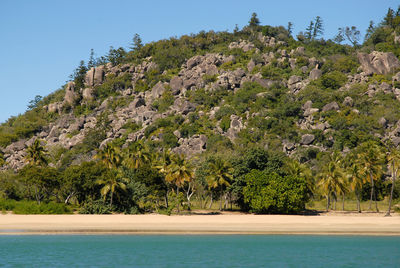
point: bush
(225, 123)
(333, 80)
(31, 207)
(95, 207)
(270, 193)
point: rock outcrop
(378, 62)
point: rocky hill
(242, 85)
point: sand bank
(201, 224)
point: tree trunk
(343, 202)
(220, 198)
(358, 202)
(111, 199)
(376, 202)
(327, 203)
(68, 197)
(394, 174)
(177, 198)
(372, 191)
(335, 201)
(211, 201)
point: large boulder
(99, 75)
(95, 76)
(333, 106)
(88, 93)
(307, 139)
(70, 95)
(176, 85)
(315, 74)
(378, 62)
(157, 90)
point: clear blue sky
(42, 41)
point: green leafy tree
(393, 159)
(332, 178)
(79, 74)
(254, 21)
(339, 38)
(290, 28)
(318, 28)
(92, 60)
(112, 183)
(352, 35)
(267, 192)
(40, 182)
(371, 159)
(138, 155)
(296, 169)
(178, 172)
(220, 175)
(355, 177)
(309, 31)
(109, 156)
(36, 154)
(35, 102)
(370, 31)
(136, 43)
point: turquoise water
(198, 251)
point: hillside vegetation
(257, 120)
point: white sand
(373, 224)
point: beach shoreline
(324, 224)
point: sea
(199, 251)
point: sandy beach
(354, 224)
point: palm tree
(36, 154)
(356, 180)
(162, 162)
(332, 178)
(138, 155)
(113, 183)
(178, 172)
(110, 156)
(220, 175)
(296, 169)
(393, 158)
(371, 159)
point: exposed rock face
(70, 95)
(95, 76)
(315, 74)
(307, 139)
(378, 62)
(348, 101)
(243, 44)
(183, 106)
(88, 93)
(295, 83)
(333, 106)
(191, 146)
(176, 84)
(157, 90)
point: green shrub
(224, 111)
(332, 80)
(95, 207)
(162, 104)
(31, 207)
(271, 193)
(225, 123)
